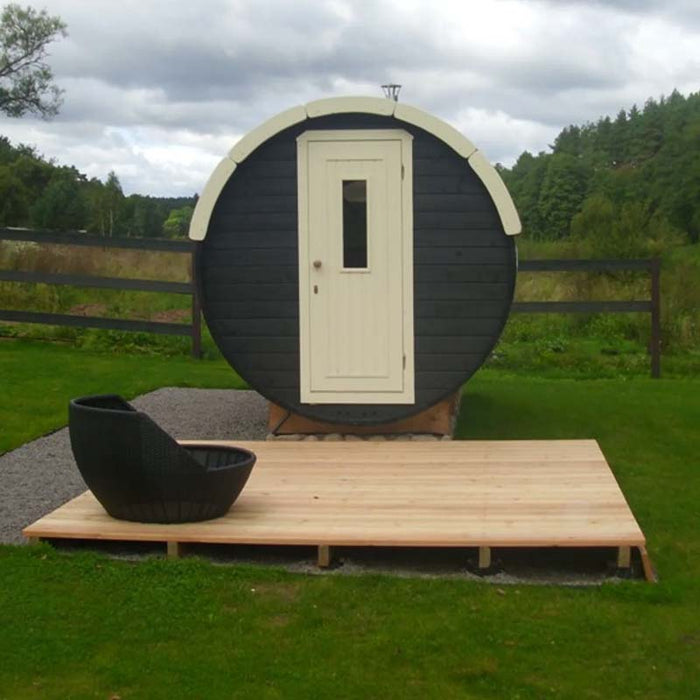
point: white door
(356, 267)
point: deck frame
(481, 494)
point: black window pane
(355, 223)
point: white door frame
(406, 395)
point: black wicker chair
(138, 472)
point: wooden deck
(401, 494)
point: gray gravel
(41, 475)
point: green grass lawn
(38, 380)
(82, 625)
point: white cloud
(501, 137)
(160, 92)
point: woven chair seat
(139, 472)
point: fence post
(655, 318)
(196, 307)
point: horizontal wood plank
(457, 221)
(458, 255)
(92, 281)
(457, 328)
(432, 494)
(464, 308)
(214, 273)
(468, 272)
(95, 322)
(430, 236)
(256, 327)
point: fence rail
(651, 306)
(585, 265)
(193, 329)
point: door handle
(317, 264)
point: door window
(355, 224)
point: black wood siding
(464, 272)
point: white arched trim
(498, 191)
(343, 105)
(265, 131)
(364, 105)
(205, 204)
(435, 126)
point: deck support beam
(624, 557)
(484, 558)
(649, 573)
(325, 556)
(174, 550)
(33, 540)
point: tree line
(620, 186)
(38, 193)
(624, 185)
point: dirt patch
(88, 310)
(288, 592)
(173, 316)
(167, 316)
(278, 621)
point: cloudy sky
(159, 91)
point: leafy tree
(620, 139)
(14, 198)
(652, 128)
(7, 152)
(34, 172)
(595, 219)
(568, 141)
(645, 163)
(626, 231)
(146, 219)
(178, 222)
(26, 80)
(563, 190)
(105, 202)
(605, 233)
(525, 183)
(61, 205)
(38, 192)
(112, 201)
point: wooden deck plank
(433, 494)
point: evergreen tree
(61, 205)
(525, 183)
(15, 198)
(619, 150)
(38, 192)
(563, 190)
(642, 161)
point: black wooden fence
(193, 329)
(651, 306)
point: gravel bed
(41, 475)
